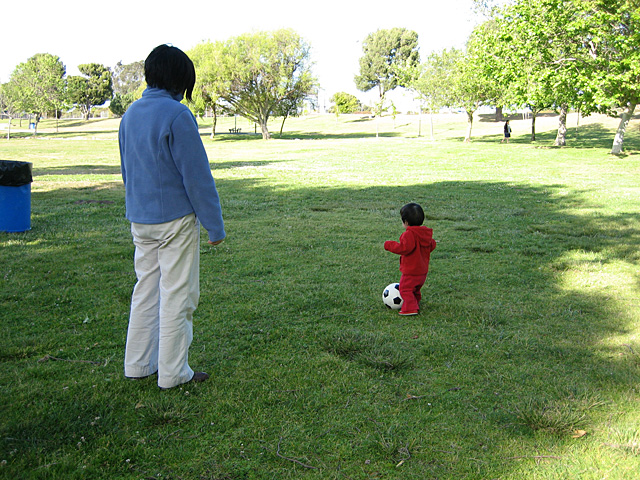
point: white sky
(80, 31)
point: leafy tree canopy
(39, 85)
(261, 70)
(210, 80)
(128, 78)
(382, 50)
(345, 103)
(92, 89)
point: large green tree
(613, 40)
(566, 54)
(261, 70)
(39, 85)
(484, 42)
(210, 80)
(94, 88)
(543, 59)
(383, 50)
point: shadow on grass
(62, 135)
(586, 136)
(77, 170)
(507, 324)
(299, 135)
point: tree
(485, 42)
(210, 80)
(92, 89)
(382, 50)
(612, 38)
(428, 81)
(262, 70)
(39, 85)
(128, 78)
(460, 82)
(9, 99)
(120, 103)
(127, 81)
(345, 103)
(545, 58)
(292, 105)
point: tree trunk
(265, 131)
(469, 125)
(431, 120)
(284, 118)
(533, 126)
(215, 122)
(561, 137)
(499, 115)
(622, 128)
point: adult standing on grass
(507, 132)
(169, 191)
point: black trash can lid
(15, 174)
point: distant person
(414, 248)
(507, 132)
(169, 192)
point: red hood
(423, 234)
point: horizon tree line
(537, 54)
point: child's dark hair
(171, 69)
(413, 214)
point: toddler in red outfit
(415, 247)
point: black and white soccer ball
(391, 296)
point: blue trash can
(15, 196)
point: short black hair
(413, 214)
(169, 68)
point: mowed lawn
(524, 362)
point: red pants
(410, 286)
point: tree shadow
(62, 135)
(593, 135)
(77, 170)
(300, 135)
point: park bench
(235, 130)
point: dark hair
(171, 69)
(413, 214)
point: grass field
(523, 364)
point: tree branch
(293, 459)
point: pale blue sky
(106, 32)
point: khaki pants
(167, 264)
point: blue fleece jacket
(164, 165)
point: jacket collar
(159, 92)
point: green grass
(523, 364)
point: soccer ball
(391, 296)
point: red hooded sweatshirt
(414, 248)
